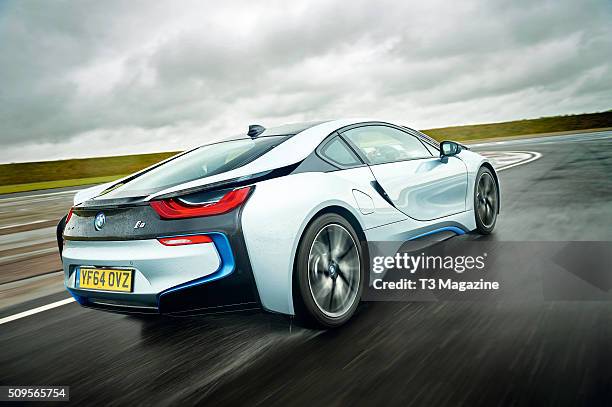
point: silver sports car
(271, 220)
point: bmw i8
(277, 219)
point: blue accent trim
(454, 229)
(77, 279)
(225, 269)
(78, 298)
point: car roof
(291, 151)
(291, 128)
(283, 130)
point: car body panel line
(226, 267)
(454, 229)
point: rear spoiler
(231, 183)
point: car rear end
(127, 252)
(136, 260)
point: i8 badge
(99, 221)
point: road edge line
(36, 310)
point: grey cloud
(72, 71)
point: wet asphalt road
(435, 353)
(28, 246)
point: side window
(382, 144)
(432, 149)
(339, 153)
(432, 145)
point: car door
(417, 182)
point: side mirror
(449, 149)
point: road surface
(434, 353)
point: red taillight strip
(184, 240)
(174, 209)
(69, 215)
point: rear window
(200, 163)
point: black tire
(486, 201)
(319, 269)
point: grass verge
(33, 186)
(577, 122)
(21, 177)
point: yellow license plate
(105, 279)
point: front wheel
(486, 201)
(329, 273)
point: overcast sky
(90, 78)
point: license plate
(105, 279)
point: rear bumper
(206, 277)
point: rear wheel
(329, 272)
(486, 201)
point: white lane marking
(503, 160)
(24, 224)
(36, 310)
(535, 156)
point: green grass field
(523, 127)
(33, 186)
(63, 173)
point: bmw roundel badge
(99, 221)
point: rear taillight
(173, 208)
(69, 215)
(184, 240)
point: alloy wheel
(334, 270)
(486, 200)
